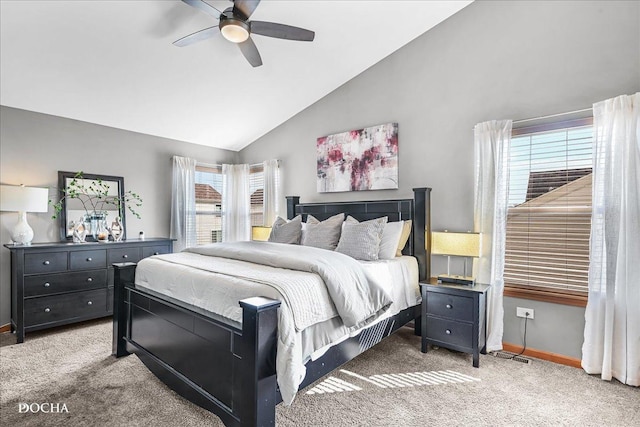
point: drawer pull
(46, 263)
(449, 306)
(89, 303)
(448, 332)
(89, 259)
(125, 256)
(47, 284)
(46, 310)
(89, 279)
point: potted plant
(96, 198)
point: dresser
(55, 284)
(454, 317)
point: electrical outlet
(522, 312)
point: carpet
(392, 384)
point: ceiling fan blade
(197, 36)
(205, 7)
(250, 51)
(245, 7)
(281, 31)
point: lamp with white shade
(23, 199)
(465, 245)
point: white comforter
(245, 269)
(357, 296)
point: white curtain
(612, 318)
(183, 203)
(272, 191)
(491, 141)
(236, 211)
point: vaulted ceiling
(113, 63)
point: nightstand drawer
(64, 282)
(48, 262)
(450, 306)
(82, 260)
(124, 255)
(450, 332)
(68, 306)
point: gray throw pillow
(323, 234)
(361, 240)
(284, 231)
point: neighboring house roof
(575, 194)
(545, 181)
(207, 194)
(257, 197)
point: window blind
(549, 213)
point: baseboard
(5, 328)
(544, 355)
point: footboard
(224, 367)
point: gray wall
(492, 60)
(34, 147)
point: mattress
(220, 292)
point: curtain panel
(236, 203)
(183, 203)
(491, 148)
(272, 191)
(612, 318)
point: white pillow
(390, 239)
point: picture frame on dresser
(55, 284)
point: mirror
(84, 194)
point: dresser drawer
(148, 251)
(124, 255)
(48, 262)
(63, 307)
(449, 331)
(64, 282)
(83, 260)
(450, 306)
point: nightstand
(454, 317)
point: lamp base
(458, 280)
(22, 233)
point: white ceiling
(113, 63)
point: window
(549, 211)
(208, 182)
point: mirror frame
(62, 177)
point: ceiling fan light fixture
(235, 31)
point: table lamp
(23, 199)
(260, 233)
(455, 244)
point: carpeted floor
(73, 366)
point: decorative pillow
(284, 231)
(361, 240)
(323, 234)
(390, 239)
(406, 231)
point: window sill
(545, 296)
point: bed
(229, 367)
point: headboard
(418, 210)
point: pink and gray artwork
(363, 159)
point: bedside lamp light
(23, 199)
(260, 233)
(455, 244)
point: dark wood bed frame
(229, 368)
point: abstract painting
(363, 159)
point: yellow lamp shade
(260, 233)
(455, 244)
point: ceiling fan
(235, 26)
